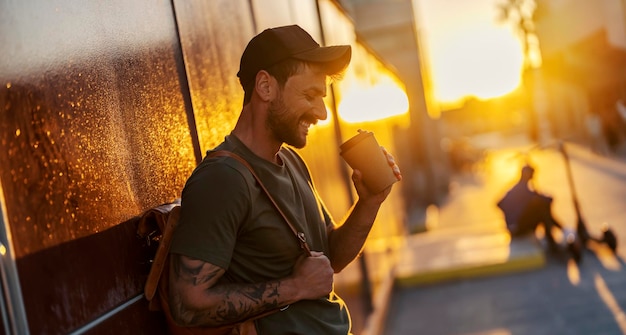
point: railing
(11, 303)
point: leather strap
(152, 282)
(299, 235)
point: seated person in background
(524, 209)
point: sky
(469, 52)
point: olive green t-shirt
(228, 221)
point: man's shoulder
(221, 170)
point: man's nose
(320, 109)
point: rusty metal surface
(93, 130)
(70, 284)
(86, 142)
(213, 35)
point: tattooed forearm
(238, 302)
(245, 301)
(196, 299)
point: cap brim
(336, 56)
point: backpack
(157, 225)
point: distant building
(583, 47)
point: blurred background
(107, 106)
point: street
(560, 298)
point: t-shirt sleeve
(214, 204)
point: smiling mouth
(307, 121)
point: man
(524, 209)
(233, 257)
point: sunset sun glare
(485, 63)
(469, 54)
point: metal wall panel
(93, 131)
(213, 35)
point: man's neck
(257, 138)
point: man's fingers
(392, 162)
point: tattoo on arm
(226, 303)
(245, 301)
(193, 274)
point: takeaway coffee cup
(362, 152)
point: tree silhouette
(521, 14)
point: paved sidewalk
(543, 302)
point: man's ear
(265, 85)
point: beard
(285, 125)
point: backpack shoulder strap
(300, 236)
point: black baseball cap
(274, 45)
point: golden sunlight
(611, 303)
(573, 272)
(470, 53)
(370, 103)
(483, 62)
